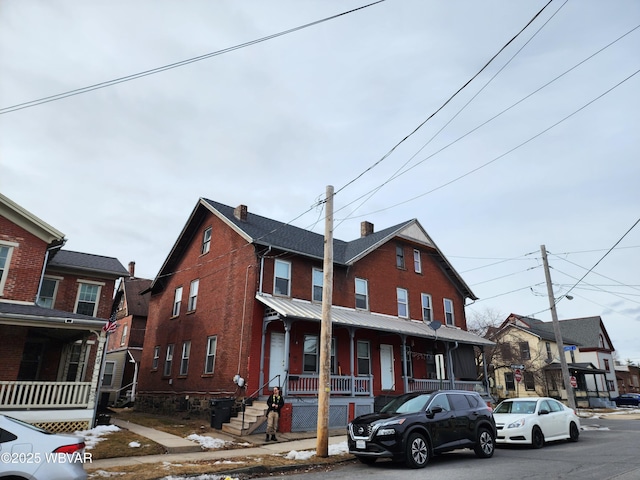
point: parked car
(628, 400)
(28, 452)
(534, 421)
(414, 426)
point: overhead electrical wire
(182, 63)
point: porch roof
(32, 315)
(582, 367)
(350, 317)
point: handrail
(244, 400)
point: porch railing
(423, 384)
(26, 395)
(340, 385)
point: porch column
(95, 375)
(485, 371)
(404, 363)
(263, 342)
(287, 339)
(352, 335)
(452, 379)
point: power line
(386, 155)
(182, 63)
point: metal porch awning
(287, 308)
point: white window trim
(422, 297)
(405, 302)
(89, 282)
(177, 302)
(275, 277)
(211, 354)
(113, 374)
(57, 281)
(366, 293)
(206, 243)
(453, 317)
(417, 261)
(314, 285)
(193, 295)
(5, 272)
(358, 357)
(125, 331)
(168, 360)
(156, 357)
(186, 352)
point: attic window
(400, 256)
(206, 241)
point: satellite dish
(435, 325)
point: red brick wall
(11, 346)
(68, 292)
(219, 312)
(26, 262)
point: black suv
(414, 426)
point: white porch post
(95, 377)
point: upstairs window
(193, 295)
(525, 354)
(427, 311)
(448, 312)
(606, 365)
(206, 241)
(400, 256)
(282, 280)
(317, 280)
(549, 354)
(87, 302)
(107, 375)
(123, 338)
(48, 290)
(5, 260)
(403, 302)
(177, 301)
(362, 296)
(417, 261)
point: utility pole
(556, 329)
(324, 381)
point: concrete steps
(254, 416)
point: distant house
(124, 347)
(53, 306)
(529, 345)
(628, 378)
(239, 299)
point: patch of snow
(227, 462)
(134, 444)
(95, 435)
(335, 449)
(103, 474)
(207, 442)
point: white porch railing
(423, 384)
(340, 385)
(28, 395)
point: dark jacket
(275, 404)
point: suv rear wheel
(485, 444)
(417, 454)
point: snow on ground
(95, 435)
(211, 442)
(206, 476)
(335, 449)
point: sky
(538, 147)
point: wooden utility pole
(556, 329)
(324, 381)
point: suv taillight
(70, 448)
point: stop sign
(574, 382)
(517, 375)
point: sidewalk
(183, 450)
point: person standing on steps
(275, 402)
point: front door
(276, 360)
(387, 376)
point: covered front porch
(372, 356)
(51, 369)
(586, 393)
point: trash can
(103, 419)
(220, 411)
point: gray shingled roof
(66, 259)
(268, 232)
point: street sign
(517, 367)
(574, 381)
(568, 348)
(517, 375)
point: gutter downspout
(44, 267)
(262, 268)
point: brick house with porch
(239, 297)
(53, 305)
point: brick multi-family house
(529, 345)
(53, 306)
(124, 346)
(239, 296)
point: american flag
(111, 325)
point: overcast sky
(119, 169)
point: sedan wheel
(417, 454)
(537, 438)
(574, 433)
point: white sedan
(534, 421)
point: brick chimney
(132, 269)
(366, 228)
(240, 213)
